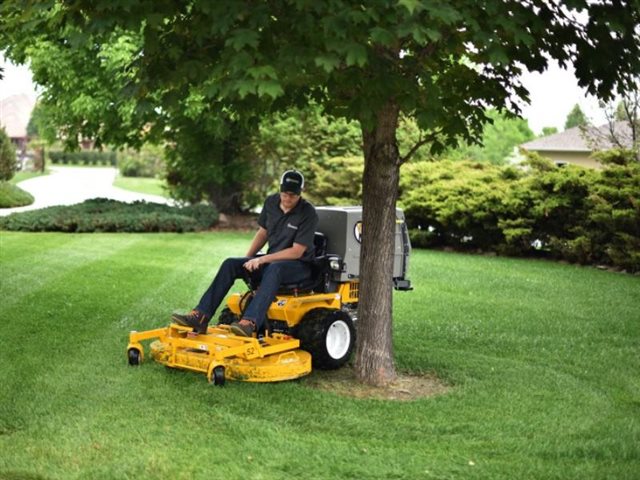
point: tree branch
(421, 142)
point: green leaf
(328, 62)
(356, 55)
(241, 38)
(445, 13)
(270, 88)
(264, 71)
(498, 56)
(410, 5)
(521, 36)
(382, 36)
(241, 62)
(245, 87)
(433, 35)
(78, 39)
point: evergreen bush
(8, 160)
(571, 213)
(338, 181)
(104, 215)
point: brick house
(15, 112)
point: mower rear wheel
(133, 354)
(328, 335)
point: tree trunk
(226, 200)
(374, 349)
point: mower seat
(319, 267)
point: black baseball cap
(292, 181)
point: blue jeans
(269, 276)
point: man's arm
(292, 253)
(259, 239)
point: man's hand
(291, 253)
(253, 264)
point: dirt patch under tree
(407, 387)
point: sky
(553, 94)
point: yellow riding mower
(308, 324)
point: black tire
(218, 376)
(227, 317)
(328, 335)
(133, 354)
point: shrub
(148, 162)
(103, 215)
(338, 181)
(459, 203)
(571, 213)
(613, 222)
(12, 196)
(559, 209)
(423, 238)
(8, 161)
(84, 157)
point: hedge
(571, 213)
(88, 157)
(104, 215)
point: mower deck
(222, 355)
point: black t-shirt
(285, 229)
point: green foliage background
(571, 213)
(576, 118)
(500, 136)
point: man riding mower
(301, 312)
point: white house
(576, 145)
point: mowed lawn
(543, 361)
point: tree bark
(374, 363)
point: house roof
(583, 139)
(15, 112)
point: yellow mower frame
(292, 308)
(222, 355)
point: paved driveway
(69, 185)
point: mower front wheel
(328, 335)
(133, 354)
(217, 376)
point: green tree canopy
(440, 63)
(576, 118)
(41, 124)
(499, 138)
